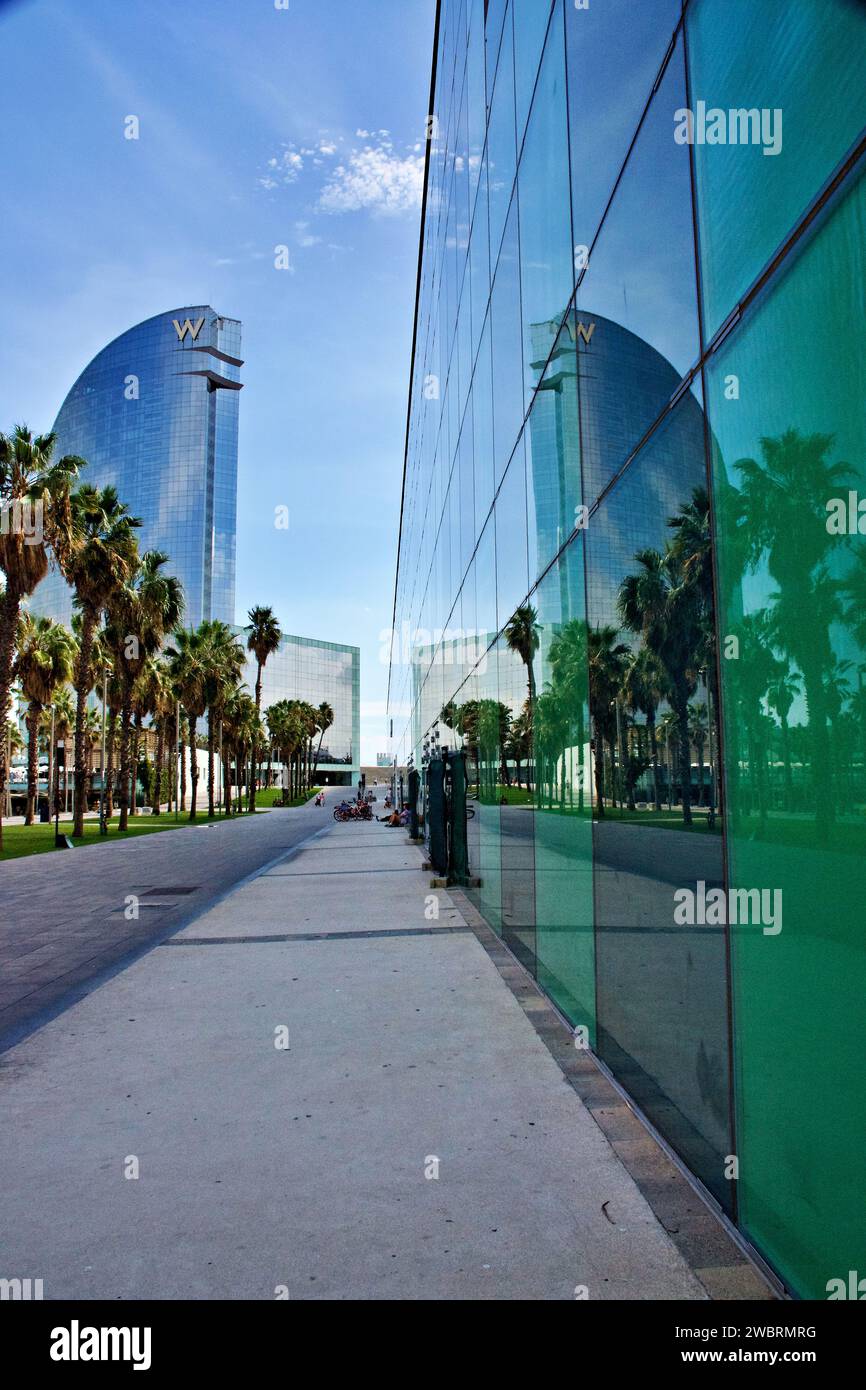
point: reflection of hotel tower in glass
(156, 415)
(588, 430)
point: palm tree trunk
(49, 784)
(82, 690)
(654, 760)
(598, 750)
(125, 741)
(156, 800)
(258, 713)
(210, 757)
(182, 747)
(193, 764)
(685, 758)
(10, 605)
(136, 756)
(109, 764)
(786, 758)
(33, 713)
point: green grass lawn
(267, 798)
(22, 840)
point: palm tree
(99, 563)
(660, 604)
(33, 488)
(698, 733)
(223, 661)
(324, 719)
(668, 727)
(782, 508)
(569, 686)
(643, 692)
(606, 666)
(143, 613)
(264, 637)
(781, 694)
(64, 722)
(189, 673)
(45, 660)
(522, 635)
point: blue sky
(258, 127)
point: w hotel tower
(155, 414)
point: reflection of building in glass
(589, 413)
(609, 320)
(318, 672)
(155, 414)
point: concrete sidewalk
(310, 1168)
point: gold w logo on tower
(193, 329)
(582, 330)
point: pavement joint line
(372, 935)
(342, 873)
(600, 1095)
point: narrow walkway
(415, 1139)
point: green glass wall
(616, 588)
(785, 404)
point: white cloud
(285, 168)
(376, 179)
(305, 236)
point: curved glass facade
(636, 399)
(155, 414)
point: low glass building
(155, 414)
(318, 672)
(634, 464)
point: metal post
(176, 759)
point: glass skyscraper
(634, 465)
(156, 415)
(318, 672)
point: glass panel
(651, 635)
(638, 299)
(565, 943)
(552, 440)
(799, 68)
(515, 654)
(786, 395)
(614, 53)
(482, 395)
(501, 142)
(508, 403)
(546, 260)
(530, 26)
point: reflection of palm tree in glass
(607, 658)
(659, 603)
(698, 732)
(781, 694)
(522, 636)
(567, 697)
(782, 508)
(751, 680)
(643, 691)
